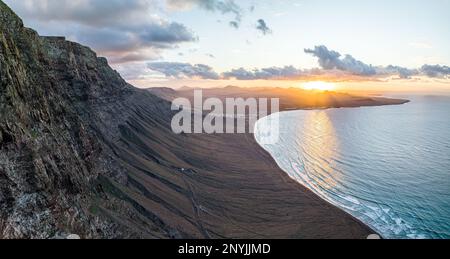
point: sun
(319, 86)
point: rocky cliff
(60, 110)
(83, 152)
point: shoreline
(330, 203)
(325, 200)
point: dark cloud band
(332, 64)
(184, 70)
(332, 60)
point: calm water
(388, 166)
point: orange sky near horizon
(411, 86)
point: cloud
(262, 26)
(402, 72)
(97, 13)
(240, 74)
(184, 70)
(134, 71)
(221, 6)
(332, 60)
(329, 60)
(123, 30)
(264, 74)
(333, 66)
(139, 43)
(436, 71)
(234, 24)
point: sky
(383, 45)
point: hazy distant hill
(290, 98)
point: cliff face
(48, 154)
(83, 152)
(60, 104)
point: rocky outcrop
(84, 153)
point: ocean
(388, 166)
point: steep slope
(56, 98)
(82, 151)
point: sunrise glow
(319, 86)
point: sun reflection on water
(320, 145)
